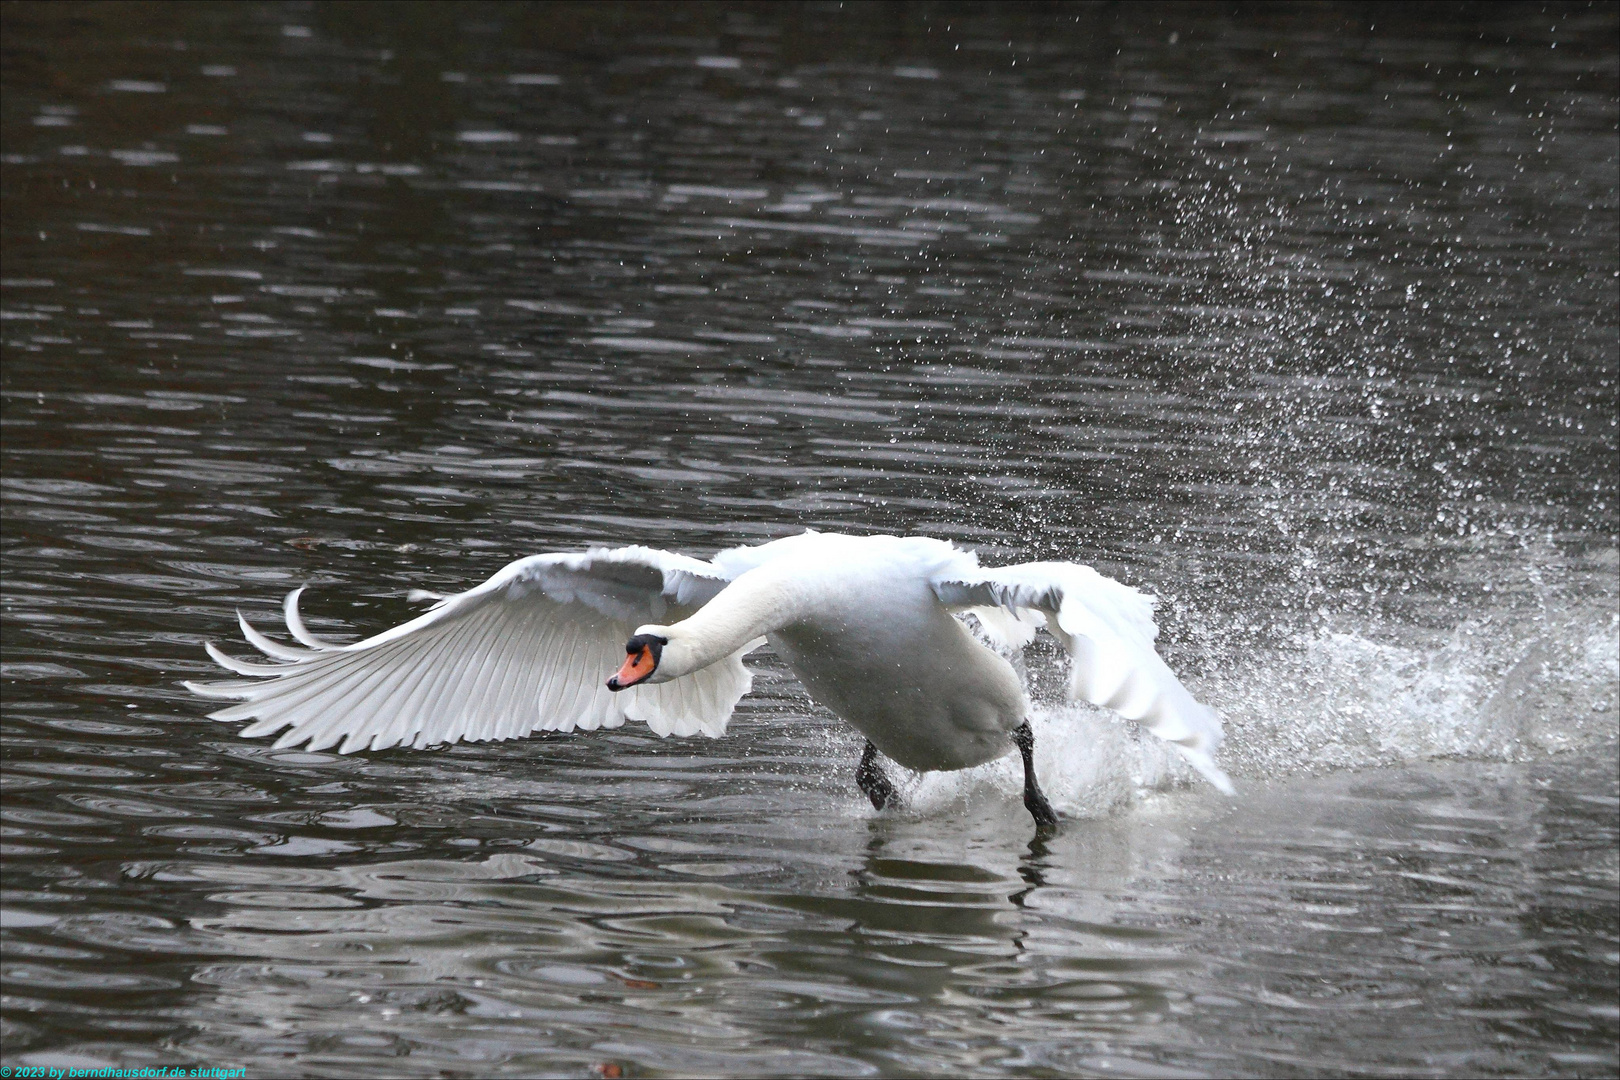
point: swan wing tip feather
(220, 691)
(296, 627)
(1208, 769)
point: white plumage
(865, 622)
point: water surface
(1305, 321)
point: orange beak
(637, 666)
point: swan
(869, 625)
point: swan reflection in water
(871, 625)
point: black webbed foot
(1046, 818)
(869, 775)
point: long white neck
(760, 601)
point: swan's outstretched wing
(528, 650)
(1108, 631)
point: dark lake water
(1303, 318)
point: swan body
(912, 680)
(869, 624)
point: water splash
(1506, 682)
(1503, 684)
(1090, 763)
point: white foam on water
(1529, 674)
(1511, 683)
(1089, 762)
(1498, 685)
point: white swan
(865, 622)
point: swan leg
(869, 775)
(1039, 809)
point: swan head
(643, 653)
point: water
(1304, 323)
